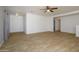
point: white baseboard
(37, 32)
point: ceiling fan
(48, 9)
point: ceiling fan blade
(53, 8)
(51, 11)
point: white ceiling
(36, 9)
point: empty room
(39, 28)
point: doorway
(57, 24)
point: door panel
(16, 23)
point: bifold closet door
(16, 23)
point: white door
(16, 23)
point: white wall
(51, 22)
(1, 25)
(68, 23)
(6, 25)
(16, 23)
(37, 23)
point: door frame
(55, 25)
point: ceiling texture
(36, 9)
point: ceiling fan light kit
(48, 10)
